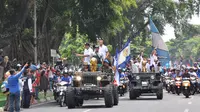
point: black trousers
(26, 98)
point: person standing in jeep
(103, 49)
(98, 55)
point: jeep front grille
(89, 80)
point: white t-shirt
(148, 67)
(152, 59)
(193, 74)
(88, 52)
(103, 49)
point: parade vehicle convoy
(145, 83)
(90, 85)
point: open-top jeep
(141, 83)
(89, 85)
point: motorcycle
(167, 84)
(194, 82)
(62, 87)
(55, 92)
(178, 85)
(122, 88)
(172, 86)
(186, 87)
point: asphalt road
(170, 103)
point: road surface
(170, 103)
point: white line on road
(189, 103)
(186, 110)
(87, 110)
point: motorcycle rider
(193, 73)
(186, 74)
(66, 78)
(57, 77)
(167, 72)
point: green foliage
(186, 45)
(71, 45)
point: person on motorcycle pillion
(66, 78)
(178, 72)
(192, 73)
(57, 77)
(173, 73)
(121, 73)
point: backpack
(25, 87)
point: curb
(41, 101)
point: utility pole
(35, 33)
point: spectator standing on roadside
(36, 84)
(6, 64)
(51, 78)
(27, 89)
(14, 89)
(6, 92)
(44, 83)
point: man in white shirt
(135, 67)
(87, 53)
(103, 49)
(148, 65)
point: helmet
(65, 71)
(106, 61)
(70, 70)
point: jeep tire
(70, 98)
(159, 93)
(132, 94)
(108, 96)
(115, 95)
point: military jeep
(90, 85)
(145, 83)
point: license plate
(144, 83)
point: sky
(169, 31)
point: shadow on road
(140, 99)
(91, 106)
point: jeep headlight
(98, 78)
(152, 77)
(137, 77)
(78, 78)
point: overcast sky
(169, 31)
